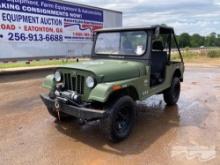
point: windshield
(121, 43)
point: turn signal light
(116, 87)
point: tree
(218, 40)
(211, 39)
(184, 40)
(196, 40)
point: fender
(102, 91)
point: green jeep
(128, 64)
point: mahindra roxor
(127, 65)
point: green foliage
(184, 40)
(196, 40)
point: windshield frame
(121, 55)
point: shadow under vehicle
(128, 65)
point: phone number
(34, 37)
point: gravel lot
(188, 133)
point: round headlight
(90, 82)
(57, 76)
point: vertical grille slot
(67, 81)
(82, 84)
(78, 84)
(75, 83)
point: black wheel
(120, 121)
(171, 95)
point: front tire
(171, 95)
(118, 124)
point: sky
(192, 16)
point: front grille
(74, 83)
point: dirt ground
(188, 133)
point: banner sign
(47, 21)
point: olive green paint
(123, 71)
(116, 72)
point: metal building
(33, 29)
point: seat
(158, 63)
(127, 47)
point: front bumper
(78, 112)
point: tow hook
(57, 106)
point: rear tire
(171, 95)
(121, 118)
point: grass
(214, 53)
(36, 63)
(211, 56)
(199, 55)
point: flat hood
(110, 70)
